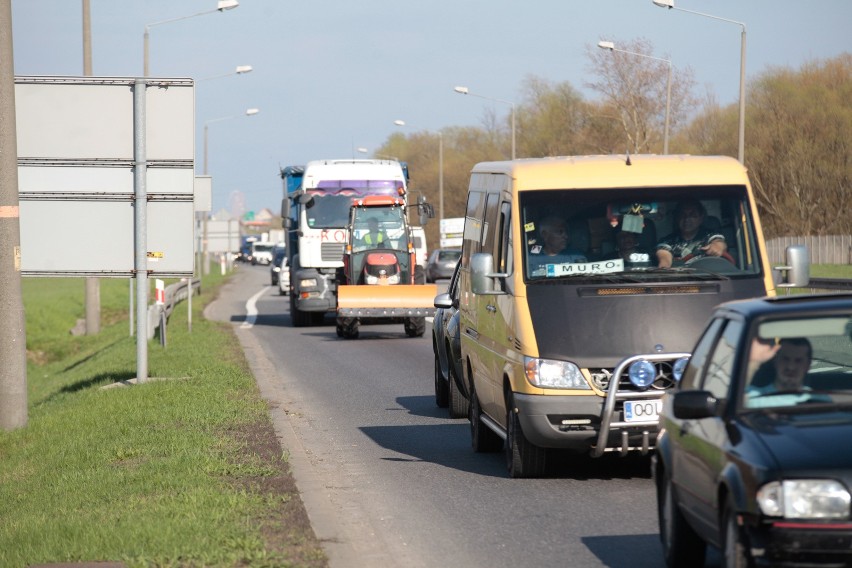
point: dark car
(450, 390)
(441, 264)
(278, 254)
(754, 454)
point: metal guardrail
(175, 293)
(830, 284)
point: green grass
(831, 271)
(184, 471)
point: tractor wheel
(415, 327)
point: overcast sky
(331, 76)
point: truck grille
(331, 252)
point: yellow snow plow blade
(386, 301)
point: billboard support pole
(140, 173)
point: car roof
(793, 304)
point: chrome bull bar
(614, 395)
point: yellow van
(647, 246)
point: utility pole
(13, 339)
(93, 285)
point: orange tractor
(380, 280)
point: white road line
(251, 308)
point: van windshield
(615, 234)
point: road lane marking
(251, 309)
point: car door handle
(491, 308)
(685, 427)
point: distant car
(280, 271)
(754, 453)
(261, 253)
(278, 254)
(450, 391)
(441, 263)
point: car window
(450, 255)
(720, 366)
(696, 362)
(800, 361)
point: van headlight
(550, 374)
(804, 499)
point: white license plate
(642, 410)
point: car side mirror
(443, 301)
(694, 404)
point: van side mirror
(797, 272)
(482, 275)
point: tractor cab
(380, 250)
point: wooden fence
(827, 249)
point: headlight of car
(549, 374)
(804, 499)
(276, 269)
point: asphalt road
(388, 479)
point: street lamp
(221, 6)
(611, 46)
(466, 91)
(440, 169)
(249, 112)
(670, 5)
(240, 70)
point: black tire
(415, 327)
(348, 329)
(482, 438)
(441, 391)
(734, 549)
(297, 317)
(681, 544)
(523, 458)
(459, 405)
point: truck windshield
(614, 234)
(333, 198)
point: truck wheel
(482, 438)
(459, 406)
(523, 458)
(415, 327)
(297, 317)
(441, 390)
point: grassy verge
(184, 471)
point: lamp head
(252, 111)
(664, 3)
(243, 69)
(461, 90)
(227, 5)
(606, 45)
(399, 122)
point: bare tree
(633, 83)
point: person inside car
(692, 238)
(555, 245)
(790, 364)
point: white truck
(315, 215)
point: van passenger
(554, 248)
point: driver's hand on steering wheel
(715, 248)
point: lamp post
(440, 169)
(249, 112)
(240, 70)
(670, 5)
(611, 46)
(466, 91)
(221, 6)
